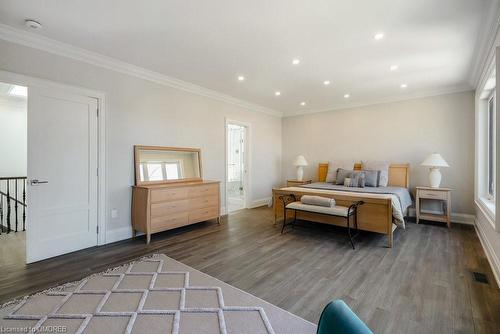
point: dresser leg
(134, 233)
(218, 220)
(148, 239)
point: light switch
(114, 213)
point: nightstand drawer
(433, 194)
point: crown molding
(46, 44)
(486, 46)
(374, 102)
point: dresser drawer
(166, 195)
(169, 222)
(443, 195)
(168, 208)
(199, 215)
(203, 202)
(204, 190)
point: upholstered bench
(290, 203)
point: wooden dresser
(162, 207)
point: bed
(384, 208)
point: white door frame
(23, 80)
(248, 161)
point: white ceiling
(209, 43)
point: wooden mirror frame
(138, 148)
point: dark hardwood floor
(423, 285)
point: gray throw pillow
(333, 167)
(342, 174)
(382, 166)
(362, 180)
(357, 178)
(372, 178)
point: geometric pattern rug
(151, 295)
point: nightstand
(294, 183)
(443, 195)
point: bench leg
(349, 232)
(294, 218)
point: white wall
(142, 112)
(400, 132)
(13, 136)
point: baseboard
(490, 254)
(118, 234)
(457, 218)
(260, 202)
(463, 218)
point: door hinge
(97, 171)
(97, 229)
(97, 112)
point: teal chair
(338, 318)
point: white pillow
(333, 166)
(382, 166)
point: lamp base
(434, 177)
(300, 173)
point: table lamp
(434, 161)
(300, 162)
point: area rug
(151, 295)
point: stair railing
(11, 198)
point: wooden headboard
(399, 174)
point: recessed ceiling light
(394, 68)
(378, 36)
(32, 24)
(241, 78)
(346, 96)
(296, 61)
(277, 93)
(326, 82)
(18, 91)
(404, 86)
(302, 103)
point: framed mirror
(157, 164)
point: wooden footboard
(375, 215)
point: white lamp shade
(300, 161)
(435, 160)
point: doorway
(60, 194)
(13, 168)
(236, 165)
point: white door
(62, 173)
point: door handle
(35, 182)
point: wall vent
(480, 277)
